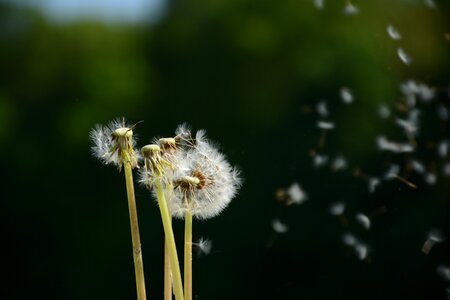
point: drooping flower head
(114, 143)
(203, 181)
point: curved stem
(188, 256)
(137, 252)
(170, 241)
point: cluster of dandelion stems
(187, 173)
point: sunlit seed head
(393, 33)
(167, 145)
(115, 144)
(279, 227)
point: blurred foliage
(251, 73)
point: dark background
(250, 73)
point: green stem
(170, 241)
(167, 274)
(137, 253)
(188, 256)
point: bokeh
(258, 76)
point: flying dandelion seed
(384, 112)
(322, 109)
(384, 144)
(430, 4)
(339, 163)
(350, 9)
(411, 89)
(373, 184)
(337, 208)
(320, 160)
(435, 236)
(279, 227)
(296, 194)
(446, 169)
(417, 166)
(346, 95)
(319, 4)
(204, 246)
(443, 149)
(349, 239)
(430, 178)
(442, 112)
(443, 272)
(392, 172)
(405, 58)
(393, 33)
(361, 251)
(363, 220)
(325, 125)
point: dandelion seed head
(114, 144)
(405, 58)
(203, 180)
(393, 33)
(346, 95)
(363, 220)
(337, 208)
(279, 227)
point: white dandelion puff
(393, 33)
(405, 58)
(363, 220)
(114, 143)
(203, 181)
(279, 227)
(346, 95)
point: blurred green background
(251, 74)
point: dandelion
(114, 144)
(393, 33)
(346, 95)
(405, 58)
(203, 183)
(154, 174)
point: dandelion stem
(137, 253)
(167, 274)
(170, 242)
(188, 256)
